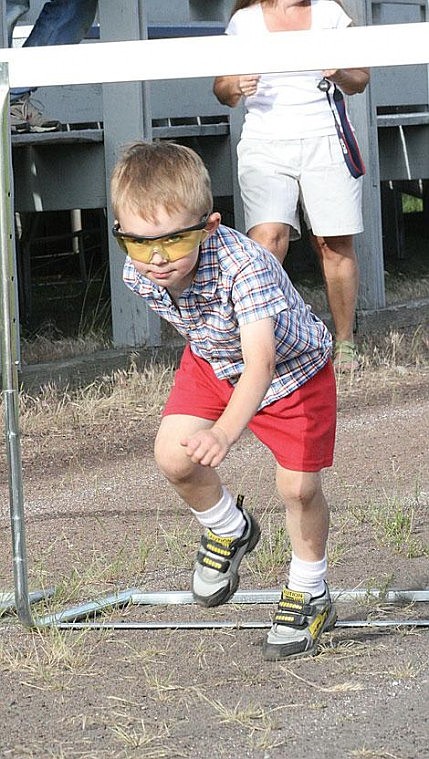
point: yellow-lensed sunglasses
(171, 247)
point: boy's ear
(213, 222)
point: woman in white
(289, 152)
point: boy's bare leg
(230, 531)
(199, 486)
(307, 514)
(302, 615)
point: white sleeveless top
(288, 105)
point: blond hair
(153, 175)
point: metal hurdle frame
(140, 69)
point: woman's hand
(350, 81)
(248, 84)
(230, 89)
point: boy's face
(175, 274)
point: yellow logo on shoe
(315, 627)
(292, 595)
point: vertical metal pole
(9, 360)
(369, 244)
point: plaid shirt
(238, 282)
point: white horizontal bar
(232, 625)
(188, 57)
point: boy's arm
(209, 447)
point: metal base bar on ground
(229, 625)
(7, 600)
(68, 618)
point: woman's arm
(230, 89)
(350, 81)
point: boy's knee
(172, 461)
(300, 488)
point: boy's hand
(207, 447)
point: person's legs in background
(60, 22)
(273, 236)
(270, 195)
(14, 11)
(332, 202)
(340, 271)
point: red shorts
(299, 429)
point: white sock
(224, 518)
(307, 576)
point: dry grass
(131, 392)
(124, 393)
(154, 695)
(48, 346)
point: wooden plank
(65, 137)
(403, 119)
(127, 117)
(398, 316)
(173, 132)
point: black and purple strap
(348, 142)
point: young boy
(255, 357)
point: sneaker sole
(278, 652)
(42, 130)
(224, 594)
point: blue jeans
(60, 22)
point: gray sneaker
(26, 116)
(215, 578)
(298, 624)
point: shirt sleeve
(232, 25)
(256, 294)
(342, 20)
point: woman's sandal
(345, 356)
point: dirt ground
(100, 517)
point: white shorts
(275, 176)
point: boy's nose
(158, 256)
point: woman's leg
(341, 274)
(273, 236)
